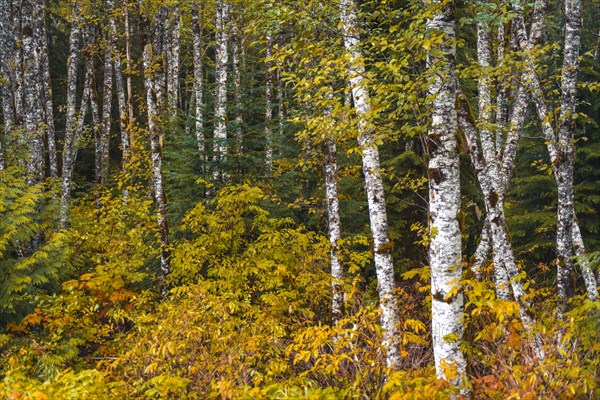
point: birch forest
(284, 199)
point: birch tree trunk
(16, 63)
(103, 137)
(382, 246)
(444, 204)
(130, 109)
(197, 27)
(33, 90)
(153, 85)
(237, 79)
(71, 127)
(334, 224)
(41, 38)
(268, 105)
(221, 59)
(560, 147)
(6, 47)
(172, 54)
(125, 112)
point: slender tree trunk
(197, 27)
(172, 53)
(71, 127)
(560, 145)
(444, 205)
(17, 68)
(130, 110)
(103, 138)
(6, 47)
(237, 79)
(382, 245)
(153, 85)
(33, 90)
(220, 133)
(280, 104)
(125, 111)
(46, 95)
(268, 106)
(333, 215)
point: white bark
(221, 59)
(268, 105)
(560, 146)
(153, 82)
(236, 41)
(333, 217)
(197, 27)
(125, 112)
(48, 104)
(103, 137)
(71, 127)
(382, 246)
(172, 56)
(444, 205)
(32, 90)
(6, 47)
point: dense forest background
(299, 199)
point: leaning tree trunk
(560, 148)
(382, 245)
(221, 60)
(444, 204)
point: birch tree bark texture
(71, 128)
(444, 203)
(33, 90)
(334, 224)
(125, 112)
(382, 245)
(6, 46)
(154, 93)
(221, 60)
(197, 28)
(560, 148)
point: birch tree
(32, 90)
(444, 202)
(197, 28)
(493, 159)
(173, 33)
(71, 128)
(221, 60)
(560, 147)
(236, 52)
(6, 38)
(382, 246)
(153, 83)
(41, 42)
(103, 135)
(125, 110)
(333, 218)
(268, 104)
